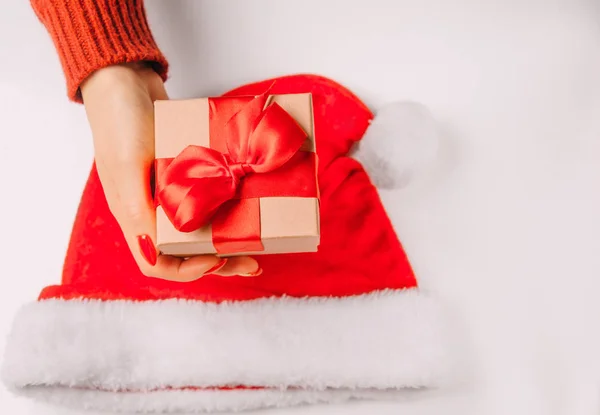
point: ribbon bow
(193, 185)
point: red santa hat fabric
(346, 322)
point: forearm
(91, 34)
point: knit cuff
(92, 34)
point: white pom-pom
(400, 143)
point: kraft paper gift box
(271, 212)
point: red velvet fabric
(359, 250)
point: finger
(243, 266)
(135, 212)
(128, 208)
(187, 270)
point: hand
(119, 105)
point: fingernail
(217, 267)
(147, 249)
(253, 274)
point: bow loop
(275, 139)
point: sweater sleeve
(91, 34)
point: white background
(506, 229)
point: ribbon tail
(236, 227)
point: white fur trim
(208, 401)
(79, 353)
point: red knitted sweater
(92, 34)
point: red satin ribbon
(255, 152)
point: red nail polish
(253, 274)
(147, 249)
(217, 267)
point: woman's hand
(119, 105)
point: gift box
(236, 175)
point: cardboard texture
(288, 224)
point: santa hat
(346, 322)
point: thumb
(136, 214)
